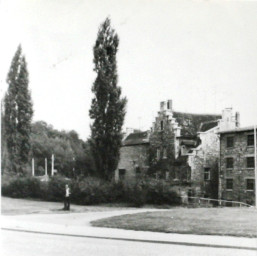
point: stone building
(237, 165)
(173, 136)
(204, 159)
(183, 148)
(162, 151)
(133, 155)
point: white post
(33, 167)
(52, 171)
(45, 166)
(255, 164)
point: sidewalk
(78, 224)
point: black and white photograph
(128, 127)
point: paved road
(30, 244)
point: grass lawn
(202, 221)
(13, 206)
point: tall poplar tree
(107, 108)
(18, 114)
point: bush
(56, 188)
(135, 194)
(161, 192)
(32, 187)
(22, 187)
(91, 191)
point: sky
(201, 54)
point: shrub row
(91, 191)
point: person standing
(67, 198)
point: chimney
(169, 105)
(237, 119)
(229, 121)
(162, 105)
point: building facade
(210, 154)
(237, 165)
(204, 159)
(134, 152)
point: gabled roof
(190, 123)
(136, 138)
(243, 129)
(205, 126)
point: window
(229, 163)
(207, 174)
(250, 162)
(229, 184)
(164, 152)
(250, 184)
(250, 140)
(161, 125)
(230, 142)
(138, 171)
(158, 154)
(122, 173)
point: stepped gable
(190, 123)
(136, 139)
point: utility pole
(52, 171)
(73, 163)
(33, 167)
(45, 166)
(255, 164)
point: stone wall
(133, 158)
(162, 143)
(239, 173)
(206, 155)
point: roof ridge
(210, 121)
(199, 114)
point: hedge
(91, 191)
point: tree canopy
(108, 107)
(72, 155)
(17, 115)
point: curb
(135, 240)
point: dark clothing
(67, 203)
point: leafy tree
(107, 108)
(18, 114)
(70, 152)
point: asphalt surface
(34, 231)
(26, 244)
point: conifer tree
(107, 108)
(18, 114)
